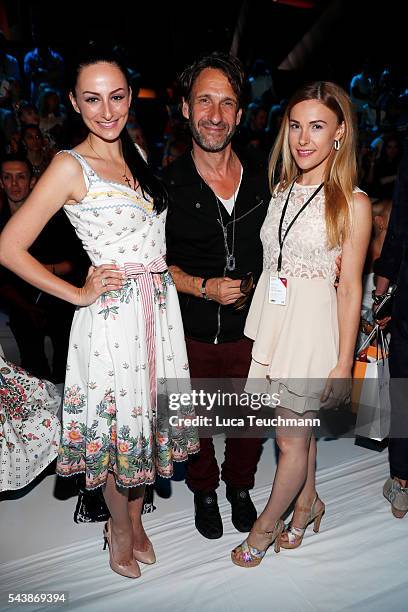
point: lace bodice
(305, 250)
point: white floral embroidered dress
(295, 346)
(123, 347)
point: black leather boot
(207, 514)
(243, 513)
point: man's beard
(207, 146)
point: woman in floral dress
(29, 425)
(126, 346)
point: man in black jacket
(218, 201)
(393, 266)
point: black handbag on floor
(91, 507)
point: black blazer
(195, 241)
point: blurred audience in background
(35, 124)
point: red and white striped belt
(148, 278)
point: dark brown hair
(230, 65)
(141, 172)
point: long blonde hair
(341, 169)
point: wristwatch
(202, 289)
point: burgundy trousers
(225, 360)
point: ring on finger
(103, 282)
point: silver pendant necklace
(230, 262)
(230, 257)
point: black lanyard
(282, 240)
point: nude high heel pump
(294, 535)
(145, 556)
(129, 571)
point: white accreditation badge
(277, 290)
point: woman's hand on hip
(100, 279)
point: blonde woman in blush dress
(304, 331)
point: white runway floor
(359, 560)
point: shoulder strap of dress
(89, 174)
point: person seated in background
(42, 65)
(176, 138)
(252, 132)
(175, 145)
(260, 80)
(387, 95)
(137, 135)
(365, 161)
(275, 116)
(29, 425)
(8, 127)
(362, 90)
(386, 168)
(27, 113)
(33, 146)
(33, 315)
(10, 80)
(52, 113)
